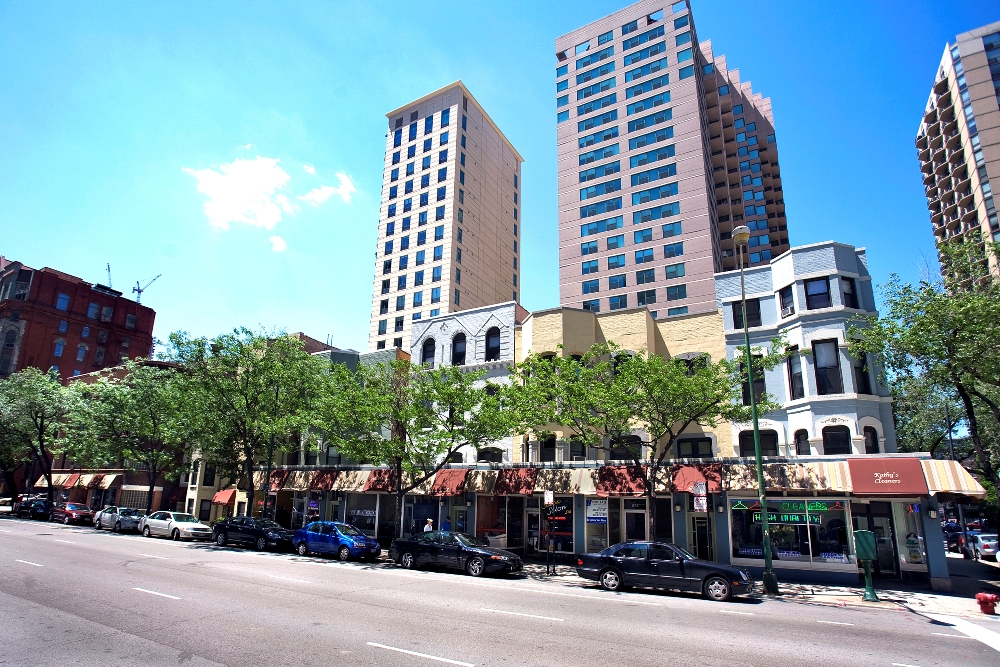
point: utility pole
(951, 453)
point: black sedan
(256, 532)
(652, 565)
(40, 510)
(442, 548)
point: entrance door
(701, 538)
(635, 519)
(532, 527)
(876, 517)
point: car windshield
(128, 512)
(267, 523)
(76, 508)
(471, 541)
(348, 529)
(185, 518)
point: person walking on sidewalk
(429, 526)
(446, 524)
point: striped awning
(951, 479)
(85, 480)
(481, 481)
(71, 480)
(323, 480)
(830, 477)
(95, 481)
(350, 480)
(109, 481)
(298, 480)
(581, 481)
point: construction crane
(138, 289)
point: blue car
(332, 537)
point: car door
(449, 550)
(314, 537)
(160, 523)
(108, 516)
(425, 551)
(665, 568)
(632, 560)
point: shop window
(491, 519)
(427, 352)
(493, 344)
(458, 350)
(802, 531)
(557, 523)
(802, 447)
(768, 444)
(694, 448)
(871, 440)
(836, 440)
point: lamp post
(951, 452)
(741, 236)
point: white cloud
(277, 243)
(243, 191)
(317, 196)
(309, 169)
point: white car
(985, 545)
(117, 519)
(175, 525)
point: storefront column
(680, 520)
(723, 549)
(937, 560)
(579, 525)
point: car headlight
(273, 535)
(743, 576)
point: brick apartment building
(52, 319)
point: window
(458, 276)
(862, 379)
(836, 440)
(676, 292)
(590, 267)
(662, 192)
(598, 154)
(871, 440)
(63, 326)
(382, 327)
(802, 446)
(92, 310)
(85, 332)
(826, 356)
(594, 305)
(397, 325)
(615, 242)
(647, 36)
(591, 286)
(400, 302)
(618, 302)
(630, 27)
(616, 262)
(102, 337)
(673, 250)
(58, 351)
(768, 444)
(643, 256)
(424, 198)
(646, 297)
(601, 226)
(435, 295)
(795, 384)
(601, 189)
(441, 193)
(643, 236)
(401, 282)
(617, 282)
(601, 171)
(99, 356)
(62, 301)
(685, 72)
(81, 352)
(404, 243)
(596, 137)
(493, 344)
(560, 117)
(420, 257)
(383, 307)
(666, 171)
(817, 293)
(404, 261)
(680, 310)
(753, 313)
(106, 313)
(445, 117)
(418, 278)
(443, 140)
(443, 156)
(650, 120)
(388, 248)
(645, 276)
(737, 110)
(427, 352)
(561, 71)
(439, 232)
(425, 163)
(442, 174)
(421, 218)
(422, 237)
(588, 248)
(409, 168)
(787, 301)
(439, 213)
(673, 271)
(850, 292)
(694, 448)
(458, 255)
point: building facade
(654, 130)
(958, 142)
(832, 403)
(449, 223)
(50, 319)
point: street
(75, 596)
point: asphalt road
(75, 596)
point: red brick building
(50, 318)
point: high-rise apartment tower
(449, 224)
(662, 150)
(958, 143)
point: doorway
(532, 526)
(701, 538)
(877, 517)
(635, 518)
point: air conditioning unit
(787, 310)
(579, 458)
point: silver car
(985, 545)
(118, 519)
(175, 525)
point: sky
(236, 148)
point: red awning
(71, 481)
(684, 477)
(450, 482)
(323, 480)
(278, 478)
(620, 481)
(887, 477)
(515, 482)
(224, 497)
(380, 479)
(95, 481)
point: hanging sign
(550, 497)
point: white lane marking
(28, 562)
(834, 623)
(742, 613)
(517, 613)
(988, 637)
(65, 541)
(4, 531)
(903, 664)
(162, 595)
(422, 655)
(945, 634)
(152, 556)
(278, 576)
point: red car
(71, 513)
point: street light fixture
(741, 236)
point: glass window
(768, 444)
(753, 313)
(493, 344)
(616, 262)
(871, 440)
(802, 446)
(618, 302)
(850, 292)
(836, 440)
(646, 297)
(862, 378)
(795, 384)
(617, 282)
(694, 448)
(594, 305)
(458, 350)
(645, 276)
(826, 356)
(817, 293)
(787, 302)
(557, 523)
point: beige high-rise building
(662, 150)
(449, 223)
(958, 143)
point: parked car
(118, 518)
(72, 513)
(984, 545)
(6, 505)
(331, 537)
(256, 532)
(442, 548)
(655, 565)
(39, 510)
(175, 525)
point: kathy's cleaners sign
(887, 477)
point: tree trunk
(981, 455)
(651, 500)
(397, 521)
(151, 475)
(248, 470)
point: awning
(95, 481)
(620, 481)
(109, 481)
(949, 478)
(450, 482)
(224, 497)
(278, 478)
(58, 479)
(877, 476)
(684, 477)
(350, 480)
(43, 483)
(84, 481)
(823, 477)
(323, 480)
(298, 480)
(515, 482)
(581, 481)
(71, 480)
(481, 481)
(380, 480)
(422, 489)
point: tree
(245, 389)
(140, 420)
(921, 419)
(37, 405)
(409, 418)
(15, 440)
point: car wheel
(146, 533)
(717, 589)
(302, 549)
(407, 561)
(475, 566)
(611, 580)
(66, 520)
(97, 524)
(220, 539)
(261, 544)
(118, 527)
(175, 535)
(343, 553)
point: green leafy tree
(921, 419)
(140, 421)
(15, 440)
(246, 390)
(409, 418)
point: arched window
(626, 448)
(768, 444)
(60, 345)
(802, 447)
(456, 457)
(458, 350)
(871, 440)
(493, 344)
(836, 440)
(427, 352)
(490, 455)
(81, 352)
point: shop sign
(774, 517)
(358, 512)
(597, 510)
(560, 510)
(887, 477)
(701, 503)
(549, 497)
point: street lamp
(741, 236)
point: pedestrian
(429, 526)
(446, 524)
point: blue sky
(119, 121)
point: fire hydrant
(987, 602)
